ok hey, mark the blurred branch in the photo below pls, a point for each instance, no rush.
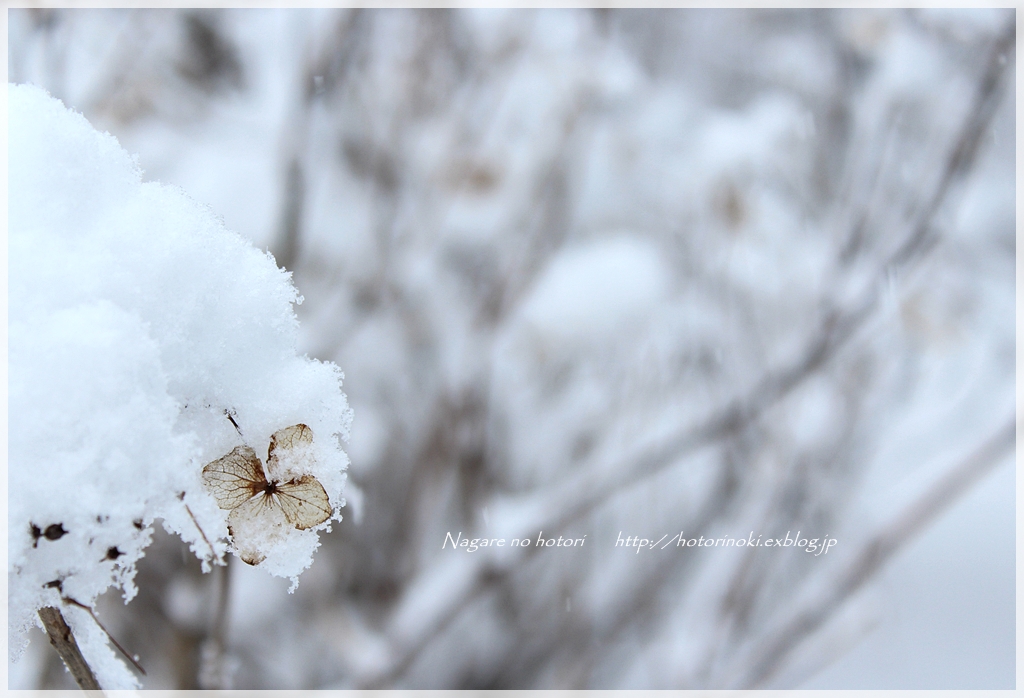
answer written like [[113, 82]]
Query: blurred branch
[[961, 159], [835, 330], [286, 251], [784, 637], [323, 72], [582, 493], [641, 605], [213, 669], [456, 155], [547, 219]]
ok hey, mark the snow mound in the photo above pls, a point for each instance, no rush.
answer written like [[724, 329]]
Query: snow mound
[[141, 332]]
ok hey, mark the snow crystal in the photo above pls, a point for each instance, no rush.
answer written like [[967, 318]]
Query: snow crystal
[[137, 324]]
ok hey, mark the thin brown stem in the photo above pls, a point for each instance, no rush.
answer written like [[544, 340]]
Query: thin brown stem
[[64, 642], [213, 553], [116, 644]]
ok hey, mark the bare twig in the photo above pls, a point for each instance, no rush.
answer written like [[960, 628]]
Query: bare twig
[[640, 605], [220, 619], [122, 650], [286, 251], [965, 149], [64, 641], [836, 328], [213, 553], [582, 493], [879, 548], [213, 671]]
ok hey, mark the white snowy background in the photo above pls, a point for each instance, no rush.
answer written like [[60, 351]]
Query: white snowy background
[[585, 272]]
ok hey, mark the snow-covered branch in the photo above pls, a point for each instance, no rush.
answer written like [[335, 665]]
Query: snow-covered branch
[[142, 333]]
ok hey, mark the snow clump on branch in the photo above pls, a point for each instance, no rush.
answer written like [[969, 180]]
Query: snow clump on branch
[[142, 332]]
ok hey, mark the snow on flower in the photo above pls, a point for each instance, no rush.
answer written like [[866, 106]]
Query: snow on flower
[[145, 341]]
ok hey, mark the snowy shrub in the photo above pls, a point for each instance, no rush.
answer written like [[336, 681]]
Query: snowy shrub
[[590, 272], [146, 341]]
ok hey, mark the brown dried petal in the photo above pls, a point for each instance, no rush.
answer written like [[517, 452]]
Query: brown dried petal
[[235, 478], [304, 502], [282, 440]]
